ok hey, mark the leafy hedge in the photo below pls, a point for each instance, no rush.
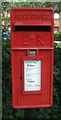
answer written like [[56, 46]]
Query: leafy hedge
[[57, 36], [8, 113]]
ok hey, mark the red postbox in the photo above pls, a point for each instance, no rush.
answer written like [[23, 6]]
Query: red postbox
[[32, 48]]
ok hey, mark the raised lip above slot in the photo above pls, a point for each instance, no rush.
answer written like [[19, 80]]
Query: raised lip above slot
[[32, 24]]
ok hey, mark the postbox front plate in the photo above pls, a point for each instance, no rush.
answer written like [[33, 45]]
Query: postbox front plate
[[23, 97]]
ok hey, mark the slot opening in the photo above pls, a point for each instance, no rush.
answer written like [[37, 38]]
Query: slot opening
[[32, 28]]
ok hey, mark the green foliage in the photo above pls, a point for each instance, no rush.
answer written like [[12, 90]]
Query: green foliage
[[57, 36], [59, 4], [55, 5], [41, 113]]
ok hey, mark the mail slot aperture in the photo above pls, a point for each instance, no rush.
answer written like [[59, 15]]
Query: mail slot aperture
[[31, 28]]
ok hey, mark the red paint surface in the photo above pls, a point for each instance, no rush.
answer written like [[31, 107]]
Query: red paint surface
[[32, 29]]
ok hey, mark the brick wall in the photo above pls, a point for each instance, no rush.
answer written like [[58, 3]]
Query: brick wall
[[60, 23], [56, 23]]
